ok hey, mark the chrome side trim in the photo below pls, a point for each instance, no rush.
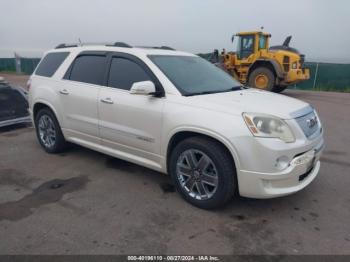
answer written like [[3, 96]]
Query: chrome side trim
[[128, 134]]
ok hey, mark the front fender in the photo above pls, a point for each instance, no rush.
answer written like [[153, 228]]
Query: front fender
[[275, 65], [202, 131]]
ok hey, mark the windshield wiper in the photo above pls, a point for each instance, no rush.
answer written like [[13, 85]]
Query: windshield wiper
[[201, 93], [235, 88]]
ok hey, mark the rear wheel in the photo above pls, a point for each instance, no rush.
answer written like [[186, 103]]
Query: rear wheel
[[262, 78], [203, 172], [49, 131]]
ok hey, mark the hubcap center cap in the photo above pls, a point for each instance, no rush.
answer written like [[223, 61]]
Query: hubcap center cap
[[196, 174]]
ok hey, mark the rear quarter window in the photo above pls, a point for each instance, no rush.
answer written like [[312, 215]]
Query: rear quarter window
[[50, 63]]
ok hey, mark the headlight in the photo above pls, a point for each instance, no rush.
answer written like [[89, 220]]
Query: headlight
[[294, 65], [268, 126]]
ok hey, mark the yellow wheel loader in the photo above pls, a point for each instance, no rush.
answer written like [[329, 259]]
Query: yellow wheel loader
[[258, 65]]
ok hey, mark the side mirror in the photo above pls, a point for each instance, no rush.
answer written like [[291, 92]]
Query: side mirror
[[143, 88]]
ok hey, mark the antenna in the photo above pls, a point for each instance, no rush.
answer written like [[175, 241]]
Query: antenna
[[80, 43]]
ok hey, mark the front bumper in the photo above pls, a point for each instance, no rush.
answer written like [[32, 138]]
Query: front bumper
[[301, 171], [296, 75]]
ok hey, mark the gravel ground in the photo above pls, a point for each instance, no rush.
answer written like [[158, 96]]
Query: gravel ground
[[18, 80]]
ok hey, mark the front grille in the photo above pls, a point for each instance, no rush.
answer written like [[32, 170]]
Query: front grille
[[309, 123], [286, 63], [286, 59], [286, 67], [302, 61]]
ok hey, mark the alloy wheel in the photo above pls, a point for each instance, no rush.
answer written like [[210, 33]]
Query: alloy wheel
[[197, 174], [47, 131]]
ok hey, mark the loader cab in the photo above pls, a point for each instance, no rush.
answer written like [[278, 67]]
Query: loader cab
[[245, 46], [249, 43]]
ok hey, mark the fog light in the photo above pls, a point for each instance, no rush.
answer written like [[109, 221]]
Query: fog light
[[303, 159], [282, 162]]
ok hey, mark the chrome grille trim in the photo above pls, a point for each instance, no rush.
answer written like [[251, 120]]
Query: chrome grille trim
[[302, 112]]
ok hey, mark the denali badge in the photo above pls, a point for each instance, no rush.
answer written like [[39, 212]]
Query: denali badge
[[311, 122]]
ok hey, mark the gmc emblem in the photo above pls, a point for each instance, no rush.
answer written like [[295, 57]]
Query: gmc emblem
[[311, 122]]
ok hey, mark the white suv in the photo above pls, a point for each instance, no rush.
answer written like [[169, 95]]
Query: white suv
[[176, 113]]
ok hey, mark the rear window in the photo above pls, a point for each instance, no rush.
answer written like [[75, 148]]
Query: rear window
[[50, 63], [89, 69]]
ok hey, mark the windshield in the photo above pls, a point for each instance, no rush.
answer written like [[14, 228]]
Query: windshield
[[193, 75]]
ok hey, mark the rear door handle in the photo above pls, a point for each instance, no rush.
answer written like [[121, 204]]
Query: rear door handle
[[107, 100], [64, 92]]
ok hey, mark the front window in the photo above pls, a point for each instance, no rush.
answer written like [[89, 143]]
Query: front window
[[124, 73], [193, 75], [246, 46]]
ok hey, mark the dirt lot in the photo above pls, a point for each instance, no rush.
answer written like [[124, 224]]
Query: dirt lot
[[83, 202], [18, 80]]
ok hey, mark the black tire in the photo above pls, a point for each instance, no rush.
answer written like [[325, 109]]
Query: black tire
[[60, 143], [279, 89], [267, 73], [226, 171]]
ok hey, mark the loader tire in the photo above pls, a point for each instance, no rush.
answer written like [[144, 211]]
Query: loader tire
[[262, 78]]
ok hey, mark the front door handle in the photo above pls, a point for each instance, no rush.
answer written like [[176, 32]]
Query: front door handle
[[64, 92], [107, 100]]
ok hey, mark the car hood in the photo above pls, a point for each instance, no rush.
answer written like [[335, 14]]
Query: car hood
[[254, 101]]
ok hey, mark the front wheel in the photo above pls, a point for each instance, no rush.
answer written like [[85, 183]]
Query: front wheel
[[203, 172], [262, 78]]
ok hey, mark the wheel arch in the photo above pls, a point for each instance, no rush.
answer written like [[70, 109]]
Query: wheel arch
[[38, 105], [268, 63], [179, 135]]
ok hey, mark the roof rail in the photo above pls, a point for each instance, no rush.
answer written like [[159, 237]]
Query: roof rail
[[66, 46], [166, 47], [120, 44], [158, 47], [117, 44]]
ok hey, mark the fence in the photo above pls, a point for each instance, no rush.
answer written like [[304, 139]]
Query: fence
[[327, 77], [27, 65]]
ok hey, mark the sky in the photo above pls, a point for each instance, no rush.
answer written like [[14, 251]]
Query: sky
[[320, 28]]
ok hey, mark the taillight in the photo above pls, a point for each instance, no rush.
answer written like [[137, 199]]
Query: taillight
[[29, 82]]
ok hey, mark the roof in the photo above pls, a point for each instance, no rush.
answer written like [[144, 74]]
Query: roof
[[253, 33]]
